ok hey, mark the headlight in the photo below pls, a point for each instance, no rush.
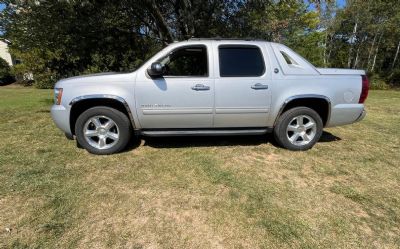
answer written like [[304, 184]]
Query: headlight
[[57, 95]]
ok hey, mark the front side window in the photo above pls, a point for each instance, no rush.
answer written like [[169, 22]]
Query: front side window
[[240, 61], [188, 61]]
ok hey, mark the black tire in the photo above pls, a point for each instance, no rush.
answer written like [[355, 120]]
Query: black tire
[[281, 134], [119, 118]]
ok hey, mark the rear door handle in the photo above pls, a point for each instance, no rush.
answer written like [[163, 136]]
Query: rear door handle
[[259, 86], [200, 87]]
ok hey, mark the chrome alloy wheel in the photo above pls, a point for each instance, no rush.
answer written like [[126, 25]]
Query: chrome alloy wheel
[[101, 132], [301, 130]]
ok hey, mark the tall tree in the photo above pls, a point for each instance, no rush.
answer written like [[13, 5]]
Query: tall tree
[[57, 39]]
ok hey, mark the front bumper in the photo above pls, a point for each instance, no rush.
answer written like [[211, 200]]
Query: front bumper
[[60, 116]]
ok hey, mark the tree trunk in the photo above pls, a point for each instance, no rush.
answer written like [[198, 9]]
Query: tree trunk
[[162, 26], [356, 60], [352, 41], [396, 55], [370, 51], [376, 52], [183, 11], [331, 48], [360, 46], [325, 48]]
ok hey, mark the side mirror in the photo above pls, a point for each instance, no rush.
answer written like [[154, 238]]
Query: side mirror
[[155, 70]]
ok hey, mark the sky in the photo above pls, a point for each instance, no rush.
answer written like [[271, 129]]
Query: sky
[[341, 3]]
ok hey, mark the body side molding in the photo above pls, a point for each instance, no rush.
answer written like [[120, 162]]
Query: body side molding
[[205, 132]]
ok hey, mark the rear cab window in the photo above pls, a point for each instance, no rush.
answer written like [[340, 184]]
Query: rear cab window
[[240, 61]]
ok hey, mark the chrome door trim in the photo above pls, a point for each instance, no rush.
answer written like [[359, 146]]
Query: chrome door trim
[[240, 110], [164, 111]]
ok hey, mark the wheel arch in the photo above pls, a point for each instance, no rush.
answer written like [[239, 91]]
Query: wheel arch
[[83, 103], [319, 103]]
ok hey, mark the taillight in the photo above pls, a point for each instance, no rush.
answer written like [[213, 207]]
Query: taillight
[[364, 89]]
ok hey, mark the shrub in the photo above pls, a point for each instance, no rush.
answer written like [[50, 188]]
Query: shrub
[[6, 76], [5, 70], [45, 80], [34, 70], [377, 83], [394, 77]]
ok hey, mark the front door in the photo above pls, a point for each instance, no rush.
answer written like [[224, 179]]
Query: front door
[[242, 86], [183, 97]]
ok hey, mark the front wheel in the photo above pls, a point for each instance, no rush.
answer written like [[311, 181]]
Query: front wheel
[[103, 130], [299, 128]]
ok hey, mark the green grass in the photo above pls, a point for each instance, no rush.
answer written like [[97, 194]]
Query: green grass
[[227, 192]]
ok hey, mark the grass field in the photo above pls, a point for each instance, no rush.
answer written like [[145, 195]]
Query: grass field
[[227, 192]]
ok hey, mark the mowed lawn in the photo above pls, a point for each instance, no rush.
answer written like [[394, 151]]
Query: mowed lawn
[[224, 192]]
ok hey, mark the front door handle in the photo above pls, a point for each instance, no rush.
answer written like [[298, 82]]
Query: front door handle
[[259, 86], [200, 87]]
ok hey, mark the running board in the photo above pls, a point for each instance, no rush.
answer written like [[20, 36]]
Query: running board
[[205, 132]]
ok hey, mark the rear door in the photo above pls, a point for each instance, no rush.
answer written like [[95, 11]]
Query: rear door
[[242, 86], [184, 96]]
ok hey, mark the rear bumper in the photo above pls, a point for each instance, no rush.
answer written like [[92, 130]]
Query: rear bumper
[[362, 116], [344, 114], [60, 116]]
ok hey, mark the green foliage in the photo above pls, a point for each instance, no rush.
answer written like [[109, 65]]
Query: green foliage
[[377, 83], [366, 36], [79, 37], [34, 62], [394, 78], [4, 69], [308, 45], [59, 39]]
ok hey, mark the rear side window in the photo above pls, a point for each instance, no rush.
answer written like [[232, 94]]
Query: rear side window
[[240, 61], [289, 60]]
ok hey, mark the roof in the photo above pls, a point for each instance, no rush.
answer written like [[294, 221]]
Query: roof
[[225, 39], [5, 41]]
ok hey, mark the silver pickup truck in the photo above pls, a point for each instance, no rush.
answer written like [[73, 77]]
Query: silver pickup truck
[[211, 87]]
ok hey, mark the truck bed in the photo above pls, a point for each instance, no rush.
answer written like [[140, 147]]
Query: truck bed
[[338, 71]]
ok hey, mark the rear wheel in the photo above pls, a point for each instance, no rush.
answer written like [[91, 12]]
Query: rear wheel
[[103, 130], [298, 129]]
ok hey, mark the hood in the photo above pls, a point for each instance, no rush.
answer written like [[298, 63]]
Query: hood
[[99, 78], [93, 75]]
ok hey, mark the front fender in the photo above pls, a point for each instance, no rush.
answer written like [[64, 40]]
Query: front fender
[[107, 96]]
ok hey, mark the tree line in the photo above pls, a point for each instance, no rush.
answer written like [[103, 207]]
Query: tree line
[[55, 39]]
